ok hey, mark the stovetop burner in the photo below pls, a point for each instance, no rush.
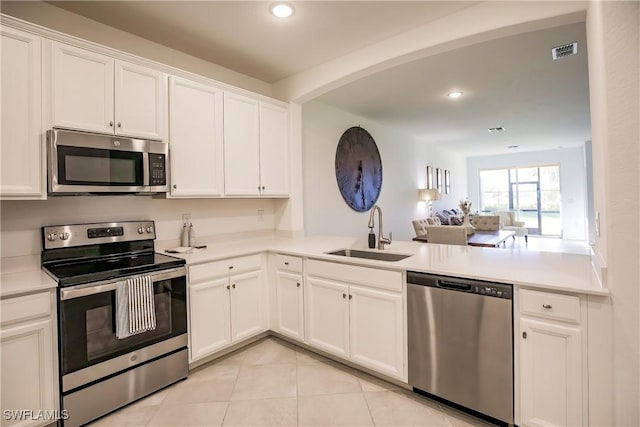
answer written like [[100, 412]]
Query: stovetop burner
[[73, 273], [85, 253]]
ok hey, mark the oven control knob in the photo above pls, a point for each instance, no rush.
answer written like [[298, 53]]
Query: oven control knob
[[149, 229], [52, 237], [140, 230], [64, 236]]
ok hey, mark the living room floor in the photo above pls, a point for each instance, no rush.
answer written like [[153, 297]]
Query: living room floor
[[278, 384], [549, 244]]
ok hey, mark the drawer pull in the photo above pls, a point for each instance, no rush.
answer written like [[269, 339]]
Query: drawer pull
[[298, 285], [524, 335], [231, 267], [286, 263], [547, 306]]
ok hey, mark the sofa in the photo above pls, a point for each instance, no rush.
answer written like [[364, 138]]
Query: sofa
[[508, 222], [486, 222]]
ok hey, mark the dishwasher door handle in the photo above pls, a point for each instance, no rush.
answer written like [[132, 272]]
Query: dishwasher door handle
[[454, 286]]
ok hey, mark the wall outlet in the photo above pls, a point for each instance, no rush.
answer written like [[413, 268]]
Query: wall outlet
[[260, 215], [186, 218]]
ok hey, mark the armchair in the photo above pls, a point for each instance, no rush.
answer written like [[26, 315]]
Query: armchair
[[508, 222]]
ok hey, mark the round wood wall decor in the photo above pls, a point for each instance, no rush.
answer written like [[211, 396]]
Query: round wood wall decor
[[358, 169]]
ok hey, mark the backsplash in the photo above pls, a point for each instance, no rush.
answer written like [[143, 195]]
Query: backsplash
[[21, 220]]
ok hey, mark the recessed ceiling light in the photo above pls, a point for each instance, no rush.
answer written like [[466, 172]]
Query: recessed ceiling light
[[512, 146], [455, 94], [281, 10], [496, 129]]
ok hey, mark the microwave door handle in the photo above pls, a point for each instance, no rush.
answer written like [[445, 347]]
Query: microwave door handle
[[110, 285], [145, 169]]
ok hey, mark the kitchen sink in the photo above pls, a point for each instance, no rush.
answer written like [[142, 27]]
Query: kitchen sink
[[378, 256]]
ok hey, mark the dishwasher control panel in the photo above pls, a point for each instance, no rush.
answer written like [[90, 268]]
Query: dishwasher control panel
[[490, 289]]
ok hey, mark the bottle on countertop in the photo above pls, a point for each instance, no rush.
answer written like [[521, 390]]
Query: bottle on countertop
[[184, 236], [372, 239], [192, 235]]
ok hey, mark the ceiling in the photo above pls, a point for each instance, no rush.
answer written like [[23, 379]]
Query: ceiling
[[510, 82]]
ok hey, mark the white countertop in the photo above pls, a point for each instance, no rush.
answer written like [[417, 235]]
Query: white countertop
[[23, 275], [533, 269]]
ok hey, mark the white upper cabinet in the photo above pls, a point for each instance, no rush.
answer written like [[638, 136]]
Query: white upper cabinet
[[274, 150], [96, 93], [141, 101], [195, 139], [22, 160], [241, 145], [256, 147]]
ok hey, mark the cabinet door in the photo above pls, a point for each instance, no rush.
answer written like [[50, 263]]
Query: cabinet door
[[241, 146], [290, 314], [141, 101], [82, 89], [327, 315], [246, 305], [274, 150], [550, 374], [208, 317], [376, 330], [28, 369], [195, 139], [22, 161]]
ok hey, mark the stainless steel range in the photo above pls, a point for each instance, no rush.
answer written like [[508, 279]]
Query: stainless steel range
[[122, 318]]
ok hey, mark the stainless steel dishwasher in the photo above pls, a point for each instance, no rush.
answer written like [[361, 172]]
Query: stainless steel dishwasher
[[460, 337]]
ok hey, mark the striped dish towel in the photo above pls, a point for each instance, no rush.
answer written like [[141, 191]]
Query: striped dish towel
[[135, 306]]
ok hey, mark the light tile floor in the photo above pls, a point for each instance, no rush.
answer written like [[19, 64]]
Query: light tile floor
[[274, 383]]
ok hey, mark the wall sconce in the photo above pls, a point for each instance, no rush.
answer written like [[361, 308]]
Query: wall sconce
[[428, 195]]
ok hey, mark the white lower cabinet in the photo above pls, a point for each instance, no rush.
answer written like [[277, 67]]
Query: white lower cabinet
[[29, 368], [357, 313], [224, 308], [552, 388], [290, 305]]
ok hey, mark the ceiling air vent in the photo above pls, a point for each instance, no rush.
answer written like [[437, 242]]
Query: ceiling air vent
[[564, 50]]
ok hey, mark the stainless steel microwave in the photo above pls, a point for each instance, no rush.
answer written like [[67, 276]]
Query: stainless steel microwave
[[87, 163]]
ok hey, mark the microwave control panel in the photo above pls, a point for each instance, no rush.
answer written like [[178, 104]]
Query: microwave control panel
[[157, 169]]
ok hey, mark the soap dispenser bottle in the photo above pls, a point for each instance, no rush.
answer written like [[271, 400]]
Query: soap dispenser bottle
[[192, 235], [372, 239], [184, 236]]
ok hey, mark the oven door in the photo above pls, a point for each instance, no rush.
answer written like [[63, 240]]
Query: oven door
[[89, 348]]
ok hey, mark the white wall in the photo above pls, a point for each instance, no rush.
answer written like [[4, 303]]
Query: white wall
[[613, 31], [404, 162], [21, 220], [573, 184]]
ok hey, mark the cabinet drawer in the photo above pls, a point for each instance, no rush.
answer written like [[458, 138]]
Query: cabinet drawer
[[226, 267], [289, 263], [27, 307], [550, 305], [373, 277]]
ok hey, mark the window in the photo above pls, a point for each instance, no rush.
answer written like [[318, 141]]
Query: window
[[532, 192]]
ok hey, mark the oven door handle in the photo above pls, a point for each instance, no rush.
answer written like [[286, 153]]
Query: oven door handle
[[110, 285]]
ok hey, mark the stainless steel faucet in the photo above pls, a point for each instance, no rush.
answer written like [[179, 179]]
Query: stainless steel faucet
[[381, 239]]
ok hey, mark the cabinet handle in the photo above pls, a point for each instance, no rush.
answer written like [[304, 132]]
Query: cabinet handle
[[231, 267], [344, 296], [350, 296], [258, 188], [298, 284], [119, 124], [228, 287], [111, 123], [286, 263], [233, 286], [547, 306], [263, 187], [524, 335], [175, 186]]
